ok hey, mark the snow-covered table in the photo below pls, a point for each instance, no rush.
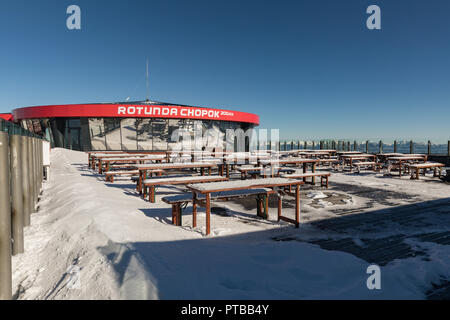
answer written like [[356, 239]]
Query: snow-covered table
[[415, 168], [399, 161], [143, 168], [175, 180], [296, 161], [349, 158], [273, 183]]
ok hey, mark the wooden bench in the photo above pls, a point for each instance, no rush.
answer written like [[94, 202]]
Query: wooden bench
[[109, 175], [179, 202], [175, 180], [415, 168], [323, 177], [375, 165]]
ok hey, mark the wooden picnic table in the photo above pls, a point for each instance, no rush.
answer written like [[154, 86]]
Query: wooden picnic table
[[424, 166], [274, 183], [341, 153], [295, 161], [175, 180], [236, 158], [143, 168], [155, 158], [405, 159], [349, 158], [99, 158], [92, 154]]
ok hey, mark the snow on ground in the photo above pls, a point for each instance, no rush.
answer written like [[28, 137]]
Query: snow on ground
[[121, 247]]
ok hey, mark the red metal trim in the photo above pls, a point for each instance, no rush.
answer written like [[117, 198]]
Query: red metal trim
[[6, 116], [133, 111]]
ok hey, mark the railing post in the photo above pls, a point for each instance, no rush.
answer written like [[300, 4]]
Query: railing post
[[31, 173], [411, 147], [380, 148], [305, 144], [348, 145], [313, 145], [26, 186], [355, 146], [5, 221], [16, 193], [429, 147], [292, 145], [395, 146], [448, 148], [367, 146]]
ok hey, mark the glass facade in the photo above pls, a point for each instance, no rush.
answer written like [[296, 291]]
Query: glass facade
[[130, 134]]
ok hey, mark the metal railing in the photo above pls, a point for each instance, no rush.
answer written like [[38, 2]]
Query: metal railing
[[369, 146], [21, 176], [14, 129]]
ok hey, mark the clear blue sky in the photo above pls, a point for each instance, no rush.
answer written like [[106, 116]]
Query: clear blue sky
[[310, 68]]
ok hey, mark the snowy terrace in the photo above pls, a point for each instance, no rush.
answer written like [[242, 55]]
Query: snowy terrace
[[127, 248]]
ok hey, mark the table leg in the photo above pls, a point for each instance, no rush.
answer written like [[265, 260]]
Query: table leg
[[140, 182], [266, 206], [417, 173], [228, 170], [174, 213], [400, 169], [179, 222], [297, 205], [194, 209], [208, 213], [279, 206], [100, 166], [313, 170]]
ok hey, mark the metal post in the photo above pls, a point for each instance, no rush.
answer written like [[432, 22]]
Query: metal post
[[429, 147], [313, 145], [348, 145], [299, 144], [448, 148], [305, 145], [355, 146], [380, 148], [285, 145], [16, 193], [5, 221], [40, 164], [395, 146], [367, 146], [31, 174], [292, 145], [26, 182], [411, 147]]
